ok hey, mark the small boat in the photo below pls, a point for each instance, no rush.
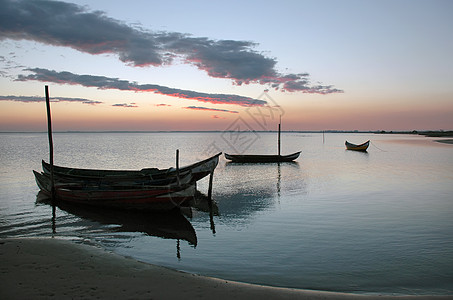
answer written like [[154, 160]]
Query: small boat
[[135, 197], [361, 147], [261, 158], [257, 158]]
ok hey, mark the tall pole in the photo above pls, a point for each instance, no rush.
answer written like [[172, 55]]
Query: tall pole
[[177, 166], [279, 128], [211, 177], [49, 131]]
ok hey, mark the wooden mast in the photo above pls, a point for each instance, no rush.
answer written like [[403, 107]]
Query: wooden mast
[[177, 167], [49, 132]]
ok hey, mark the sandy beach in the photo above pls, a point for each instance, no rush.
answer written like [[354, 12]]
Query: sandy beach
[[49, 268]]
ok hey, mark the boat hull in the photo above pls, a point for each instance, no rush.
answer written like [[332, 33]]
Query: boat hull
[[146, 189], [362, 147], [262, 158], [133, 198]]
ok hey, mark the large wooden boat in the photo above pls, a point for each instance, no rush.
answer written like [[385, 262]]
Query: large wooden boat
[[142, 197], [146, 189], [91, 187], [261, 158], [197, 170], [185, 178], [361, 147]]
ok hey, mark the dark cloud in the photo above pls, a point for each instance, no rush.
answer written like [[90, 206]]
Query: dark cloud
[[304, 86], [211, 109], [70, 25], [28, 99], [162, 104], [103, 82], [125, 105]]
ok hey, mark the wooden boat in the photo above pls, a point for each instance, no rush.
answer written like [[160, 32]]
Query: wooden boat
[[361, 147], [100, 182], [146, 189], [113, 196], [119, 192], [254, 158], [198, 171], [261, 158]]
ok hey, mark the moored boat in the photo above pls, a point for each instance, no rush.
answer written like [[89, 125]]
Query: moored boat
[[146, 189], [266, 158], [198, 171], [119, 188], [144, 197], [59, 179], [361, 147], [262, 158]]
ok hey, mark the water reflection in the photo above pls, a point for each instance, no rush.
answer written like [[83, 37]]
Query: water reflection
[[167, 225], [203, 203], [251, 187], [358, 153]]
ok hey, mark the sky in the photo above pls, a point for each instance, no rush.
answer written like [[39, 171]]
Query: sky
[[227, 65]]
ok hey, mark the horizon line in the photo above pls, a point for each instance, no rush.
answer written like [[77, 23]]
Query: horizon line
[[301, 131]]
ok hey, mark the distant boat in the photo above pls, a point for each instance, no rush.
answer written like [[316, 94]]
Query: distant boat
[[361, 147], [256, 158]]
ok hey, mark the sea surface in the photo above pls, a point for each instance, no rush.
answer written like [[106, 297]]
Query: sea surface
[[334, 220]]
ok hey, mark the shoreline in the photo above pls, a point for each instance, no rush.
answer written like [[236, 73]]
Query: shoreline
[[43, 268], [449, 141]]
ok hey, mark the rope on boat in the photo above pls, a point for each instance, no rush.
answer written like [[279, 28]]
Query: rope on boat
[[377, 147]]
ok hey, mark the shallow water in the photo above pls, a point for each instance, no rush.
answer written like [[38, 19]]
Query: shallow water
[[375, 222]]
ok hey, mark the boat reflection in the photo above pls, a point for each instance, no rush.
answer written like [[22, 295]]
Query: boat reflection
[[266, 170], [201, 202], [168, 225], [248, 188]]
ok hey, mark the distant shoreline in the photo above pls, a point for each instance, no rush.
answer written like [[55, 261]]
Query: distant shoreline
[[428, 133]]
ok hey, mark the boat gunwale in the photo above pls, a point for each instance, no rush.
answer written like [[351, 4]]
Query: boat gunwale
[[123, 174]]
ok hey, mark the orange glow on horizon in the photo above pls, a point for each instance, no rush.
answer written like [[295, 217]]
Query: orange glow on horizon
[[307, 115]]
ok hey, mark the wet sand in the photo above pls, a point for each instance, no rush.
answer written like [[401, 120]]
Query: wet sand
[[57, 269]]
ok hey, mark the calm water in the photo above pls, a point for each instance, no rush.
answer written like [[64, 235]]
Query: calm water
[[376, 222]]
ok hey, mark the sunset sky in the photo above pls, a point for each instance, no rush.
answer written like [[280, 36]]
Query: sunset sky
[[212, 65]]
